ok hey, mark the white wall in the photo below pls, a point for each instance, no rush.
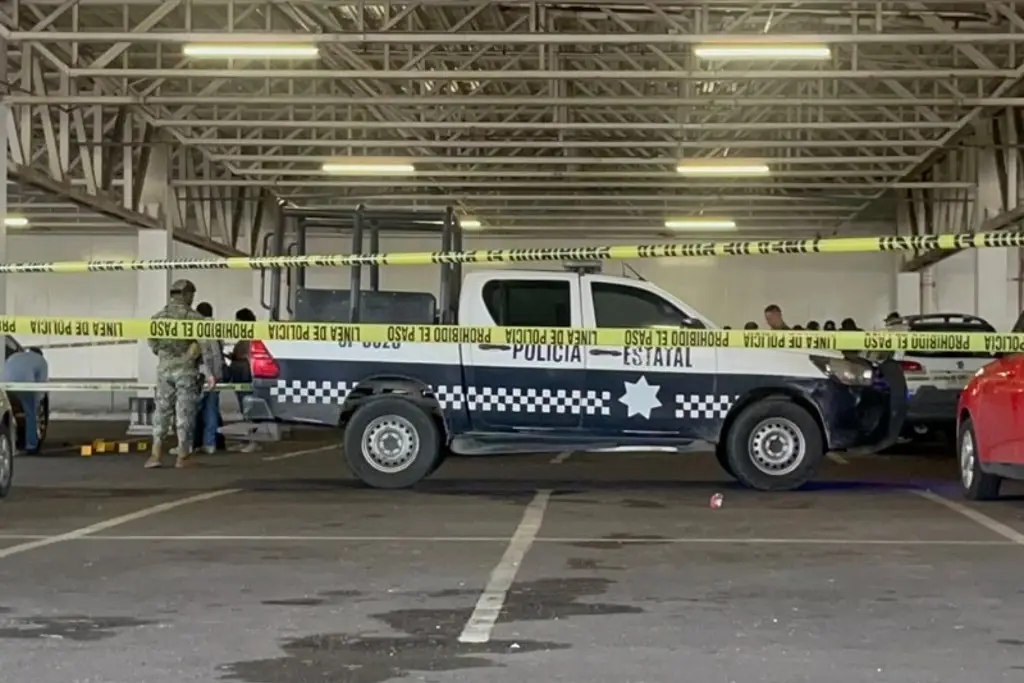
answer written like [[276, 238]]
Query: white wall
[[951, 287], [729, 290], [104, 295], [983, 282]]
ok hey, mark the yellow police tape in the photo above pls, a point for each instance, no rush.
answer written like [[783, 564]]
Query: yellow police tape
[[821, 245], [344, 334]]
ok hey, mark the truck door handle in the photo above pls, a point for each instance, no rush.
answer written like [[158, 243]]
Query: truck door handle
[[495, 347], [604, 352]]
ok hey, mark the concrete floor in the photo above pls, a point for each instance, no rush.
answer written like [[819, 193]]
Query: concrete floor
[[275, 568]]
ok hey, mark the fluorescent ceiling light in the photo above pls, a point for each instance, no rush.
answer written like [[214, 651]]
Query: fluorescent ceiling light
[[698, 224], [252, 51], [763, 51], [465, 223], [719, 168], [15, 222], [368, 168]]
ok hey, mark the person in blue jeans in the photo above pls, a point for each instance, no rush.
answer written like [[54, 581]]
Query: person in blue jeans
[[209, 403], [28, 365]]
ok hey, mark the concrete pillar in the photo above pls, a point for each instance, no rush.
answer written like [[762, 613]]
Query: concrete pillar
[[158, 199], [908, 293], [151, 293], [995, 291]]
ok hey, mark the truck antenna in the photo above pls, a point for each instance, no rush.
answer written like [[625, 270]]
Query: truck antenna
[[631, 269]]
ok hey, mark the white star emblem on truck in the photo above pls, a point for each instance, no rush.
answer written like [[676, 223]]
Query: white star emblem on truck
[[640, 398]]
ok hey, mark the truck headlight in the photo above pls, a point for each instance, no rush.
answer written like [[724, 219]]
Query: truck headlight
[[845, 371]]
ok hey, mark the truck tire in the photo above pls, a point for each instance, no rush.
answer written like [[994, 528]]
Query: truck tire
[[391, 443], [722, 456], [42, 427], [774, 445]]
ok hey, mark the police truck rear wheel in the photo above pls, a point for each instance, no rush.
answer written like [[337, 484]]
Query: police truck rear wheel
[[391, 443], [774, 446], [722, 456]]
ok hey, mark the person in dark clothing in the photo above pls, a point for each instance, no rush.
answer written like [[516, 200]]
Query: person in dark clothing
[[239, 371], [829, 326], [813, 326], [848, 325]]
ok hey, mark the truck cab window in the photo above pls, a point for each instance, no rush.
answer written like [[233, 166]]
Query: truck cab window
[[624, 306], [529, 303]]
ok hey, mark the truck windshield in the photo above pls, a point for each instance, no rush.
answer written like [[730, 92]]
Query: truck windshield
[[625, 306]]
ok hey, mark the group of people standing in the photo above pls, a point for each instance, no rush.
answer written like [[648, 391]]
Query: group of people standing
[[773, 318], [187, 374]]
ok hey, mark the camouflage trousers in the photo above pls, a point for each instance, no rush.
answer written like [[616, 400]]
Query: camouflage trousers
[[177, 400]]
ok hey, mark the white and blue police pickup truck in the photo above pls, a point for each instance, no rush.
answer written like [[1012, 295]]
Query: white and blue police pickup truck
[[771, 415]]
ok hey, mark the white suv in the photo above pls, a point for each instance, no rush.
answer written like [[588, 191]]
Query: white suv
[[936, 378]]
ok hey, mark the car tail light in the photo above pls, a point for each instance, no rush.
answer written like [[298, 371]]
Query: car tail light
[[261, 362], [911, 366]]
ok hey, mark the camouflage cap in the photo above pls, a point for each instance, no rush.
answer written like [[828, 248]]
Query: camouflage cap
[[182, 286]]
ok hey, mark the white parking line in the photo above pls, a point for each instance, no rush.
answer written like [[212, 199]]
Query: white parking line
[[984, 520], [295, 454], [84, 531], [481, 622], [836, 458], [540, 539], [561, 457]]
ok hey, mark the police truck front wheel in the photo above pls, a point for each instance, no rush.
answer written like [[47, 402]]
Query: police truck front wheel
[[774, 445], [391, 443]]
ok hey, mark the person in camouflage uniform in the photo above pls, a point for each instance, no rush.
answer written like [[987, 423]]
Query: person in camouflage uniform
[[177, 376]]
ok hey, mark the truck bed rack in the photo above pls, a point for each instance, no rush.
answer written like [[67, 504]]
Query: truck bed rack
[[365, 225]]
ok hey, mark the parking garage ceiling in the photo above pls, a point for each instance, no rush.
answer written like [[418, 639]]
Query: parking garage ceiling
[[560, 118]]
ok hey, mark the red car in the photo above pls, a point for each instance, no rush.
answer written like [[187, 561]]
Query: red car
[[990, 439]]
